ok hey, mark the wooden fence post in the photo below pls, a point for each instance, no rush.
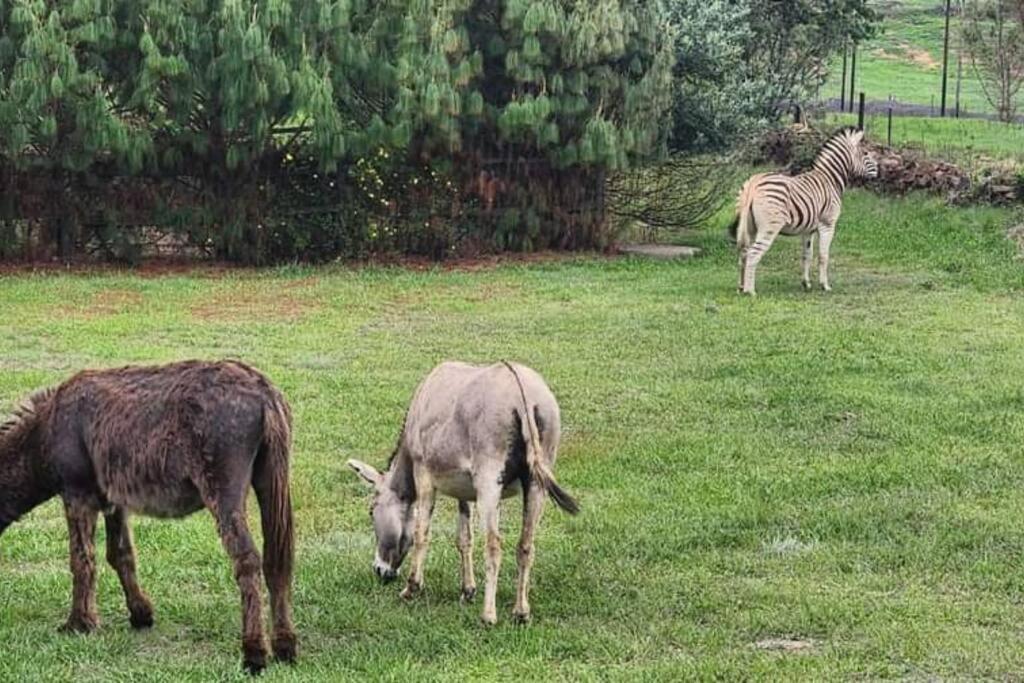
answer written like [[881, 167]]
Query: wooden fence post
[[888, 135]]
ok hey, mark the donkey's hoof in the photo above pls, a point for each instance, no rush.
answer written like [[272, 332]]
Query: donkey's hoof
[[488, 619], [254, 657], [286, 647], [468, 593], [141, 618], [80, 624], [807, 285], [411, 590], [521, 618]]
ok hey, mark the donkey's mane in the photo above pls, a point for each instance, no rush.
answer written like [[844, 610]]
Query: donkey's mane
[[26, 414], [398, 444]]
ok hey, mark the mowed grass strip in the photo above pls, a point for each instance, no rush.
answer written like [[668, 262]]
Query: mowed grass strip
[[795, 486]]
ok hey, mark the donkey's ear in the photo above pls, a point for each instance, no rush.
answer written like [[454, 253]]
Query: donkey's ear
[[367, 472]]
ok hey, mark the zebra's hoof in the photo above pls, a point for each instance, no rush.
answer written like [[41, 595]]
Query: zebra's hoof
[[807, 285]]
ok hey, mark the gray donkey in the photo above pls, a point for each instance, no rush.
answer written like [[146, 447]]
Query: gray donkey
[[475, 434]]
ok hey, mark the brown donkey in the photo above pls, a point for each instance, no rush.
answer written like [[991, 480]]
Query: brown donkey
[[162, 441]]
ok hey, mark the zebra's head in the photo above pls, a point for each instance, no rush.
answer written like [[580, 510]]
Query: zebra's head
[[864, 163]]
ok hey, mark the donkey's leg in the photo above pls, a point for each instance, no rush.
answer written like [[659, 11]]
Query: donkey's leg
[[81, 517], [488, 503], [228, 508], [828, 231], [274, 499], [805, 260], [424, 509], [465, 543], [533, 506], [121, 556]]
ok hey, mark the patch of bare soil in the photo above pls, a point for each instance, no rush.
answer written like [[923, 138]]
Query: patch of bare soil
[[153, 268], [105, 303], [169, 267], [921, 58], [472, 263], [789, 645], [1016, 235], [285, 301]]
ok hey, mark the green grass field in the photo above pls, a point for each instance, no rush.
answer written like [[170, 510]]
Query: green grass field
[[843, 470], [905, 59], [962, 140]]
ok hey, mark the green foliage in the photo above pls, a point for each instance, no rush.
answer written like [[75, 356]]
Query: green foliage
[[740, 63], [993, 35], [544, 97], [540, 99], [56, 111]]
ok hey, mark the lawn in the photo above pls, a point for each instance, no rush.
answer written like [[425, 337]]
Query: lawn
[[842, 470], [962, 140]]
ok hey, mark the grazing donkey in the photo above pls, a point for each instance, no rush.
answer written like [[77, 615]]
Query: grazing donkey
[[162, 441], [809, 203], [475, 434]]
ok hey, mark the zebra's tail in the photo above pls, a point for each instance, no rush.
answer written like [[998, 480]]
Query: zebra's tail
[[742, 228]]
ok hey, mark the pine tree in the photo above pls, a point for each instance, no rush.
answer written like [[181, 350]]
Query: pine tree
[[225, 85], [57, 117], [535, 100]]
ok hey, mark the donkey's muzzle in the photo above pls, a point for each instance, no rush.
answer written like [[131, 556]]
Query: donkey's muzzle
[[385, 574]]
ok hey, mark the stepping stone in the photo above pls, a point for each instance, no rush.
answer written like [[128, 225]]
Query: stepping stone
[[659, 251]]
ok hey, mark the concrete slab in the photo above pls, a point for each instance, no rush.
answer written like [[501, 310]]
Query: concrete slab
[[659, 251]]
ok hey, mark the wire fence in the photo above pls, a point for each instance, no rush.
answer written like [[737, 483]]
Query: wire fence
[[970, 136]]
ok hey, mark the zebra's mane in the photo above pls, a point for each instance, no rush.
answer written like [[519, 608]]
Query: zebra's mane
[[834, 162]]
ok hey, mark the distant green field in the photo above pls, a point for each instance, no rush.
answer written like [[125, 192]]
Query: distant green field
[[905, 60], [953, 139]]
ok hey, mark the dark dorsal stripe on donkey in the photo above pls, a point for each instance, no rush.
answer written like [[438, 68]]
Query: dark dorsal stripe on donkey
[[164, 441], [477, 434]]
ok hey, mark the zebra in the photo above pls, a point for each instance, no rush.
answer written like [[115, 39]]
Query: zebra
[[809, 203]]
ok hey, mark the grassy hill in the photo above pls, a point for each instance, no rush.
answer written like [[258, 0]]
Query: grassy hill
[[905, 59]]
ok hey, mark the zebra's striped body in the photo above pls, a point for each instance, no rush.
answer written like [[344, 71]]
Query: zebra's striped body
[[772, 203]]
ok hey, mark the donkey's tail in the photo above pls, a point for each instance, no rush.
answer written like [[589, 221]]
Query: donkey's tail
[[535, 460], [271, 481]]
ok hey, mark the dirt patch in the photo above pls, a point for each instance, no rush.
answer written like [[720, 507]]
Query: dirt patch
[[157, 268], [905, 51], [288, 301], [921, 57], [473, 264], [790, 645], [1016, 235], [105, 303], [154, 268]]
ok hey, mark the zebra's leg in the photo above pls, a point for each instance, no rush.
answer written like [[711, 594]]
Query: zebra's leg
[[754, 255], [824, 244], [805, 260], [743, 267]]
